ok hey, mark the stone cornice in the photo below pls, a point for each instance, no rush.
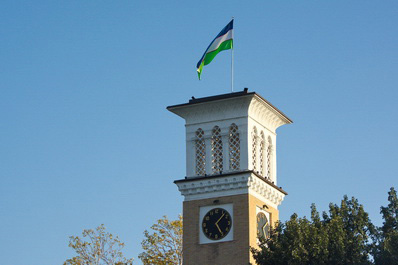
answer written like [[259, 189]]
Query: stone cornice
[[263, 112], [231, 184], [229, 106], [223, 109]]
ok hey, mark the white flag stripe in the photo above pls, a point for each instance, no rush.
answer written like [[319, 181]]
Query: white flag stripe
[[216, 43]]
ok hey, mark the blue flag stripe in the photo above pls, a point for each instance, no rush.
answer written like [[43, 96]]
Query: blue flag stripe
[[227, 28]]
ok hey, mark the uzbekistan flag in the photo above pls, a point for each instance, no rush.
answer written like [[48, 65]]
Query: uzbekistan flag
[[223, 41]]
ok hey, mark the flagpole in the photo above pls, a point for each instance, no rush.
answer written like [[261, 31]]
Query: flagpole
[[232, 65], [232, 69]]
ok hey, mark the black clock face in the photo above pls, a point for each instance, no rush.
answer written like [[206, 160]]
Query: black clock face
[[216, 223], [262, 225]]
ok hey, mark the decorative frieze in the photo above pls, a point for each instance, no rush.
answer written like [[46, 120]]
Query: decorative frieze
[[227, 185]]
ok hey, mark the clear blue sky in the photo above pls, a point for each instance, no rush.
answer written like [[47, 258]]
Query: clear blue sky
[[85, 137]]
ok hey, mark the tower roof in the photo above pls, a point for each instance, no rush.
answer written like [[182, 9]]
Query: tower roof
[[222, 97]]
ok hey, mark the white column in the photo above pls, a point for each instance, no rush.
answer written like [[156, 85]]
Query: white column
[[273, 163], [190, 159], [245, 147]]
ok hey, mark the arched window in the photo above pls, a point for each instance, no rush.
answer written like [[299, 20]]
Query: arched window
[[234, 147], [216, 150], [262, 150], [200, 153], [269, 157], [254, 148]]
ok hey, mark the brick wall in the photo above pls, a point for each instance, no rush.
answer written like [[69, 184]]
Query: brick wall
[[235, 252]]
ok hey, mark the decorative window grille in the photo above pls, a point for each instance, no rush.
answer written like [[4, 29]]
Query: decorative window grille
[[234, 147], [254, 148], [262, 150], [216, 150], [200, 153], [269, 157]]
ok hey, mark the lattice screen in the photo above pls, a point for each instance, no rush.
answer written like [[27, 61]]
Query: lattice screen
[[216, 150], [254, 148], [261, 158], [269, 155], [234, 147], [200, 153]]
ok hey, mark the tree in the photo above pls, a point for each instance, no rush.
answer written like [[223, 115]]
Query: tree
[[343, 236], [350, 233], [296, 241], [164, 245], [101, 248], [386, 251]]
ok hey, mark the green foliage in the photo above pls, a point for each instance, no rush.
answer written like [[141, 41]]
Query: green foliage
[[351, 232], [164, 245], [101, 248], [343, 236], [386, 251]]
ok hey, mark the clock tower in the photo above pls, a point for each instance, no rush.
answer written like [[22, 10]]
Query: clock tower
[[230, 190]]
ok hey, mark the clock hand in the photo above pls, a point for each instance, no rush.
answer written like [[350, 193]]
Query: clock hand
[[219, 221], [218, 228], [220, 218], [264, 227]]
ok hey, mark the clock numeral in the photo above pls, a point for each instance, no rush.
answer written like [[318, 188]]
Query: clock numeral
[[216, 236], [207, 218], [229, 222], [206, 230], [216, 210], [204, 224], [211, 213], [226, 229]]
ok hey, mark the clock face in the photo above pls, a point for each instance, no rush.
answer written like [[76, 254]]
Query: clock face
[[216, 224], [262, 225]]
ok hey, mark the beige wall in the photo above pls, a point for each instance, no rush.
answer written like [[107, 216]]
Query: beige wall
[[235, 252], [274, 216]]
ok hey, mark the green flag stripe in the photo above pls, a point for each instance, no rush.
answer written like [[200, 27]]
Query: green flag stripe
[[226, 45], [200, 69]]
